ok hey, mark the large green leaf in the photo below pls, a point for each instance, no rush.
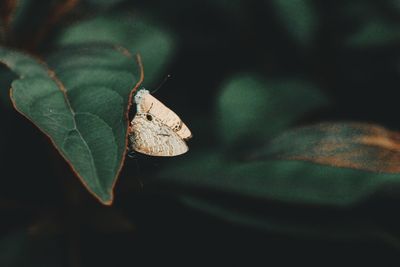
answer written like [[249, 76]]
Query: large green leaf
[[80, 102], [279, 196], [272, 184], [129, 30], [250, 106], [286, 181]]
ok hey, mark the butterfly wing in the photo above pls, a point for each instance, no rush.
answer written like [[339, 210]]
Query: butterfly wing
[[146, 103], [154, 138]]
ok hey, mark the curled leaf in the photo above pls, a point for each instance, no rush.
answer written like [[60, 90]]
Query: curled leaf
[[350, 145]]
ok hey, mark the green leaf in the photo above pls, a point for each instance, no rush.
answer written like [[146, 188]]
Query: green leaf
[[80, 103], [356, 162], [280, 196], [299, 17], [375, 33], [311, 224], [252, 107], [155, 45], [286, 181]]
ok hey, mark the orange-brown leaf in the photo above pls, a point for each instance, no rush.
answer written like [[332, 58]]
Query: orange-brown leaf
[[349, 145]]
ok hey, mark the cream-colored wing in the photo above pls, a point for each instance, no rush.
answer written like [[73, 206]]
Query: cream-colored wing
[[148, 135], [146, 103]]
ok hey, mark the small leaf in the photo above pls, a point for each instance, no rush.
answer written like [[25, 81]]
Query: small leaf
[[348, 145], [250, 106], [81, 105], [299, 18], [155, 45]]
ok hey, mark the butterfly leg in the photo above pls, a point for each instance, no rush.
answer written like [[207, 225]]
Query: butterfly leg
[[132, 154]]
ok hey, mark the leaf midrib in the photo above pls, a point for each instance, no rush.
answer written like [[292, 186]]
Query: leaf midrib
[[52, 75]]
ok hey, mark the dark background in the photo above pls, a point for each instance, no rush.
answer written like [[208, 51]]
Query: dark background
[[318, 41]]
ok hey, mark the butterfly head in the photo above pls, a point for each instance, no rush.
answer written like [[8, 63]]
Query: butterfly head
[[144, 101], [140, 95]]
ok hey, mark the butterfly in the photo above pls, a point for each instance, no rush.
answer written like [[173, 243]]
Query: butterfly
[[156, 130]]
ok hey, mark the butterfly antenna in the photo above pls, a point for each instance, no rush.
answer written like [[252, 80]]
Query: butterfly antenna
[[162, 83]]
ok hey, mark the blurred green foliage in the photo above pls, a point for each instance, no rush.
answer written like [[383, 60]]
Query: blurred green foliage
[[299, 17], [244, 73], [251, 107]]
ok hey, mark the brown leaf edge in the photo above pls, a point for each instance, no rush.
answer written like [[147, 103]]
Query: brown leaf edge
[[58, 13], [52, 75], [130, 99]]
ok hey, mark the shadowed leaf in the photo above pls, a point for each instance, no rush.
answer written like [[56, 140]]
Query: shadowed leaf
[[281, 196], [6, 77], [376, 33], [299, 221], [80, 103]]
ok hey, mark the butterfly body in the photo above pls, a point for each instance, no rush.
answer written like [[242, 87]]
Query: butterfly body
[[156, 130]]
